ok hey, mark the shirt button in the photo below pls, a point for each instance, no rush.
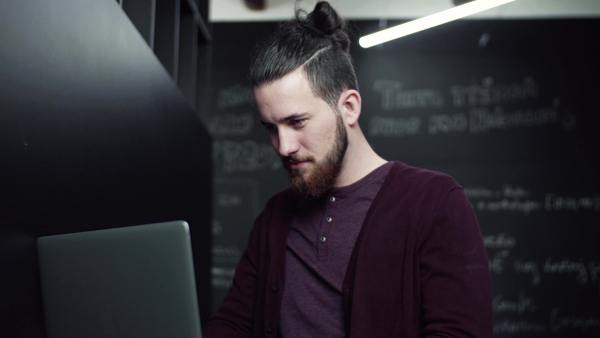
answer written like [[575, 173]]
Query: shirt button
[[332, 198], [322, 239], [275, 287], [270, 328], [329, 219]]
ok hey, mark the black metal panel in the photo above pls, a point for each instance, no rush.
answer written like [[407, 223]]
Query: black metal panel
[[93, 134], [142, 13], [166, 35]]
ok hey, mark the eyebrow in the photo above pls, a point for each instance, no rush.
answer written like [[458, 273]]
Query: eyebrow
[[287, 118]]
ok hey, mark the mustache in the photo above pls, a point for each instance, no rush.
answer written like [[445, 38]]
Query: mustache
[[297, 159], [288, 160]]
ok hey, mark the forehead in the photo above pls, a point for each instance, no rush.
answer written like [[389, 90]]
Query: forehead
[[291, 94], [294, 82]]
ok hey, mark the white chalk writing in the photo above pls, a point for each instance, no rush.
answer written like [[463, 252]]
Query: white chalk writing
[[478, 192], [226, 250], [499, 241], [234, 96], [565, 266], [446, 123], [217, 228], [520, 306], [394, 126], [528, 267], [526, 206], [394, 97], [554, 202], [509, 191], [522, 326], [559, 321], [489, 93], [228, 200], [245, 156], [482, 119], [222, 277], [496, 264], [231, 124]]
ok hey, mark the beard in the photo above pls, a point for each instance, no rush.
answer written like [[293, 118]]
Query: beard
[[314, 183]]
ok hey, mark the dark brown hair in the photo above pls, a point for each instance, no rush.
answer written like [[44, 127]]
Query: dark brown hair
[[319, 42]]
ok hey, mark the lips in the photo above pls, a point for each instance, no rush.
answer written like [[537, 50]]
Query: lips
[[296, 163]]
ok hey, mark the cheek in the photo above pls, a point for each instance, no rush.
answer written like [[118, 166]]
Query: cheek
[[274, 141], [318, 143]]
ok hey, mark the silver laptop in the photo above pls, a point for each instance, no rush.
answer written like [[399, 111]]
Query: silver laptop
[[129, 282]]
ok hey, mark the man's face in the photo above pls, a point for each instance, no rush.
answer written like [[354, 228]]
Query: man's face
[[309, 136]]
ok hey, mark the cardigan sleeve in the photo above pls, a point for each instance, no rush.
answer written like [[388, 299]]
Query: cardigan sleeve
[[454, 272], [235, 317]]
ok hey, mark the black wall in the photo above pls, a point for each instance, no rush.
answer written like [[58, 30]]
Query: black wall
[[509, 108], [94, 134]]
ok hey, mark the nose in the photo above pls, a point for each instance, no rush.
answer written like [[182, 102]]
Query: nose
[[285, 142]]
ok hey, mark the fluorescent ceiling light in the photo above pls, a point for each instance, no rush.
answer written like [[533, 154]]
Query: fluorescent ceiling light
[[429, 21]]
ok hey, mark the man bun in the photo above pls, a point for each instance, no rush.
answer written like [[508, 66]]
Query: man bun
[[318, 43], [325, 20]]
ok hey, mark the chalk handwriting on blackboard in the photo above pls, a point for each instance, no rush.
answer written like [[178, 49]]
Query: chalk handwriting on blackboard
[[226, 250], [499, 241], [227, 200], [231, 124], [448, 123], [234, 96], [566, 266], [561, 321], [513, 205], [519, 306], [488, 93], [483, 119], [217, 228], [222, 277], [496, 263], [558, 321], [528, 267], [555, 202], [520, 326], [478, 120], [245, 156], [480, 108], [478, 192], [510, 191], [520, 199], [394, 97], [583, 272], [395, 126]]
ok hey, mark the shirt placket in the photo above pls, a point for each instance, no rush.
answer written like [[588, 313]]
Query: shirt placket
[[327, 222]]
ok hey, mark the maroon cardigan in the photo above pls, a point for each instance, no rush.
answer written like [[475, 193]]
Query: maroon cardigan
[[418, 268]]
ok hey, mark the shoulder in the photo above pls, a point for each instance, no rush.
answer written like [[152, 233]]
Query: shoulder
[[409, 178], [415, 191]]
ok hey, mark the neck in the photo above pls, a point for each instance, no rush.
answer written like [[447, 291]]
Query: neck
[[359, 161]]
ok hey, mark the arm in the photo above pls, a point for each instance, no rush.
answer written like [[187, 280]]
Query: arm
[[235, 317], [454, 273]]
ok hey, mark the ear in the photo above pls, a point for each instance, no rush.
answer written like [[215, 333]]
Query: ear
[[350, 104]]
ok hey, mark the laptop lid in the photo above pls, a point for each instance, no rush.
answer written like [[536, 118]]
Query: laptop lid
[[129, 282]]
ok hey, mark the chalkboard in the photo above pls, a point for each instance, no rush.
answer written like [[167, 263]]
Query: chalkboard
[[508, 108]]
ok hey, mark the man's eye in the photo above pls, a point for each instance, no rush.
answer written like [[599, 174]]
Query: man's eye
[[298, 123], [270, 128]]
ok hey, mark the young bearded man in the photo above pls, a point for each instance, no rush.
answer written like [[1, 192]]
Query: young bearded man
[[359, 246]]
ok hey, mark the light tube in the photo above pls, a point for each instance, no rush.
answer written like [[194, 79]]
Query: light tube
[[429, 21]]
